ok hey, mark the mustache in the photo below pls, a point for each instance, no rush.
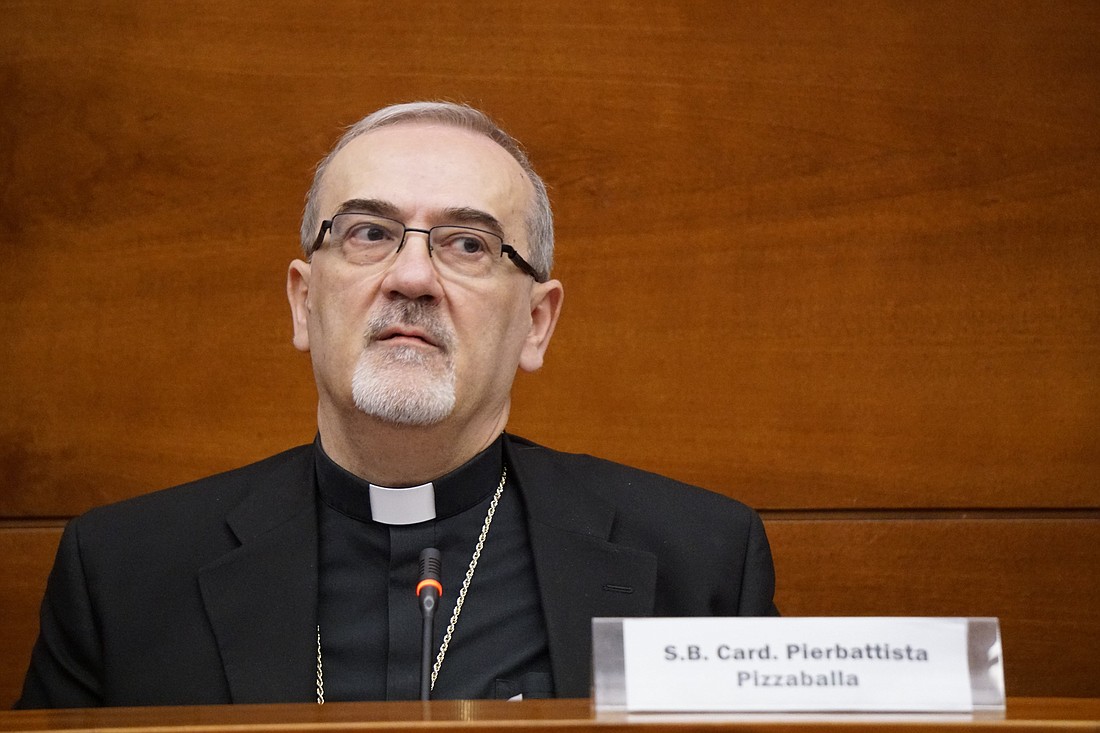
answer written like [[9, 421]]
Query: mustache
[[412, 314]]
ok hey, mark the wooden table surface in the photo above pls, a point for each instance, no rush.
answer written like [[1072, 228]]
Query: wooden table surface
[[1022, 714]]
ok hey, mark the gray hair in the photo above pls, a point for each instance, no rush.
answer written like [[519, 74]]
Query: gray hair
[[540, 219]]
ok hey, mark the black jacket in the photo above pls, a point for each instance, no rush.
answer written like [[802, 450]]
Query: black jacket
[[207, 593]]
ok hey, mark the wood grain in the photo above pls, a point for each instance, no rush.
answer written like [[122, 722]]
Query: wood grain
[[815, 255], [475, 716], [26, 555], [837, 260], [1038, 576]]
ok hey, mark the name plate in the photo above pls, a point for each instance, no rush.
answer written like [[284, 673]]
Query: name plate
[[798, 664]]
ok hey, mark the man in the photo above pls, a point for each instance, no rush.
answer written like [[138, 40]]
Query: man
[[425, 286]]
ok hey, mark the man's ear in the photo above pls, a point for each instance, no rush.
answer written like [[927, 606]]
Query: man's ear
[[546, 299], [297, 292]]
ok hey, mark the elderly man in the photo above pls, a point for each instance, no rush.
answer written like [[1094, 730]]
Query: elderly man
[[425, 285]]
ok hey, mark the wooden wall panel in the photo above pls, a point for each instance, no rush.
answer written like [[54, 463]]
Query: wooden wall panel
[[26, 555], [1038, 576], [815, 255], [823, 257]]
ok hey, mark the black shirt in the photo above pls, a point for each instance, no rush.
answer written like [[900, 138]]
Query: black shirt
[[369, 616]]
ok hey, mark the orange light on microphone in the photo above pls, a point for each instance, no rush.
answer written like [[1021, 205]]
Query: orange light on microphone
[[432, 582]]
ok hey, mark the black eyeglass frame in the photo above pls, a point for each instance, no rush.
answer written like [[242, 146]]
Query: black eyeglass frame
[[505, 249]]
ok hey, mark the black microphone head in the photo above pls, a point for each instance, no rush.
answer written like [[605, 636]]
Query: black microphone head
[[431, 564], [429, 588]]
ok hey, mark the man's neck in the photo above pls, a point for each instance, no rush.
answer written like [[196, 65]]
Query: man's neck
[[399, 455]]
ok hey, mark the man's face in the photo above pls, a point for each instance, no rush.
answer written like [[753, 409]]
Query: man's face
[[404, 343]]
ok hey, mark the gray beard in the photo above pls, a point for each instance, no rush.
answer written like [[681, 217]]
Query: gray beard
[[404, 385]]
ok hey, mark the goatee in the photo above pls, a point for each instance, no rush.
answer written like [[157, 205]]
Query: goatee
[[404, 384]]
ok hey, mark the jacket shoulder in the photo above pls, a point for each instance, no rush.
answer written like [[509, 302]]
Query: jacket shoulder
[[620, 484], [210, 489], [174, 517], [711, 551]]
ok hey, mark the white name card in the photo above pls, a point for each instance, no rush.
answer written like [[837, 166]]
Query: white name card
[[797, 664]]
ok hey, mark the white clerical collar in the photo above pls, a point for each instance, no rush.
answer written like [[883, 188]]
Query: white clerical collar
[[410, 505]]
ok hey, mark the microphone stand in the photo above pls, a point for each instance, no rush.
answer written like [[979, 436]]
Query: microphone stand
[[428, 591]]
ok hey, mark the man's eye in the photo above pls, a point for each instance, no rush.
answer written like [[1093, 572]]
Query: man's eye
[[370, 233], [465, 243], [374, 234], [471, 245]]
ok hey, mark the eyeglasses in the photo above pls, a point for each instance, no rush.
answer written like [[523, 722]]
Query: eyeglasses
[[370, 241]]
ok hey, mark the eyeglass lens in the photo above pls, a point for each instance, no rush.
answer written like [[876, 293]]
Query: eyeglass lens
[[366, 240]]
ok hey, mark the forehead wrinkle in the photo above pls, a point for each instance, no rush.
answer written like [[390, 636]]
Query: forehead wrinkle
[[505, 185], [469, 216], [450, 215], [377, 207]]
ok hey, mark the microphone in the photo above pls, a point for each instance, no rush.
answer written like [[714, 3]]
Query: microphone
[[428, 591]]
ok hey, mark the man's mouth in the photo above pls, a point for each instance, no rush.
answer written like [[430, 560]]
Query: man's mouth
[[406, 335], [410, 324]]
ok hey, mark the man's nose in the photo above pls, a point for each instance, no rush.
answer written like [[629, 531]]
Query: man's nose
[[412, 272]]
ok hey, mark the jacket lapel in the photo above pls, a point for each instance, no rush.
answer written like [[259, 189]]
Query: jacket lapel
[[261, 598], [581, 574]]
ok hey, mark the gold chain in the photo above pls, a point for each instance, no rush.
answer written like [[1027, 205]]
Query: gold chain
[[320, 671], [469, 577], [458, 603]]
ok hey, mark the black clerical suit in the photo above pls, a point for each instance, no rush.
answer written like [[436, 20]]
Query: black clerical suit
[[207, 593]]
